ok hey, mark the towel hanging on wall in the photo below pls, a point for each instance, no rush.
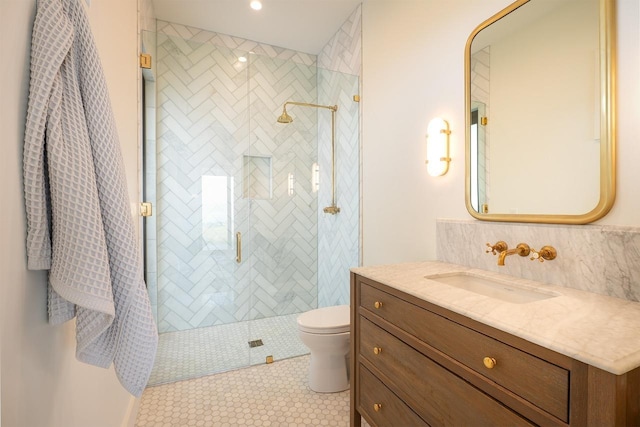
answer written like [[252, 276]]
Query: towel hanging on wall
[[79, 224]]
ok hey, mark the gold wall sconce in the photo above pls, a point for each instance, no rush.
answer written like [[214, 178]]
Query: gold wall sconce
[[438, 147]]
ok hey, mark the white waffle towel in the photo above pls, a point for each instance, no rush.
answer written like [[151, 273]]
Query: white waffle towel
[[78, 213]]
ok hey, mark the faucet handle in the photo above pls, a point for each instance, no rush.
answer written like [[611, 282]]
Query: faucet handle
[[547, 252], [500, 246]]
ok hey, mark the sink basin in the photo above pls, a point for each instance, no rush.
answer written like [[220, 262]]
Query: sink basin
[[490, 287]]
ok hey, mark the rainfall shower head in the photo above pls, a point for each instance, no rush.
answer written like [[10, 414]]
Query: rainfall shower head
[[285, 118]]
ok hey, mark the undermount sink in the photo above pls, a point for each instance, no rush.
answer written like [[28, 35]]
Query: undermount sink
[[490, 287]]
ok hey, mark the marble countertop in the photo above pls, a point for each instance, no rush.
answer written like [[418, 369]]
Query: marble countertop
[[595, 329]]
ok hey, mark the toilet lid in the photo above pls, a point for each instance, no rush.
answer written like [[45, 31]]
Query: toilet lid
[[326, 320]]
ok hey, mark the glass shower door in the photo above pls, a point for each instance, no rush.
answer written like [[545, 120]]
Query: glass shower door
[[194, 177]]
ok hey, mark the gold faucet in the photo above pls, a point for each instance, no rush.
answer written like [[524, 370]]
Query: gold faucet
[[522, 249]]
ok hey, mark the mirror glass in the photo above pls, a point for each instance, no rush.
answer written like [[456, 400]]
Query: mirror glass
[[539, 113]]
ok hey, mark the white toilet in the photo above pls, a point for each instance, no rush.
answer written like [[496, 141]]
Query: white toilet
[[326, 332]]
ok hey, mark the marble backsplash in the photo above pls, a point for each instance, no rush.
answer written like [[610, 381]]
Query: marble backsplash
[[603, 259]]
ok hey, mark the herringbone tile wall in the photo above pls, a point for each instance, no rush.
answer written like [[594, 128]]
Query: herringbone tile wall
[[480, 73], [225, 165], [338, 235], [343, 53]]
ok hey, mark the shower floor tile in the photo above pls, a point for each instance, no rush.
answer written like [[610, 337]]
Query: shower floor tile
[[197, 352], [266, 395]]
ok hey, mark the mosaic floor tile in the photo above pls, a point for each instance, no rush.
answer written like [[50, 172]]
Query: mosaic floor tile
[[194, 353], [266, 395]]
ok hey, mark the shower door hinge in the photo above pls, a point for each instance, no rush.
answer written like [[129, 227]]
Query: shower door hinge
[[145, 60], [484, 121], [356, 98], [146, 209]]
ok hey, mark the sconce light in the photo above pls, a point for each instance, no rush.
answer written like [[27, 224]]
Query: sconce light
[[438, 147]]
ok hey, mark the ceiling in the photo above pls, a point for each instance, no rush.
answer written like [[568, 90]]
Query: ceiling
[[302, 25]]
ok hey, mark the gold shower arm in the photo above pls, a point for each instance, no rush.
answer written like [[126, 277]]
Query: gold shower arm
[[304, 104]]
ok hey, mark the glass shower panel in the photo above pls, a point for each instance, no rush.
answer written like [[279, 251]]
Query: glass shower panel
[[217, 212], [339, 241], [284, 232]]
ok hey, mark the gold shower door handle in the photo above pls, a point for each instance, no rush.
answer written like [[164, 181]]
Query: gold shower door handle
[[238, 247]]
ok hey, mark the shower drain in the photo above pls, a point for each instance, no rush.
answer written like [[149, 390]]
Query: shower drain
[[255, 343]]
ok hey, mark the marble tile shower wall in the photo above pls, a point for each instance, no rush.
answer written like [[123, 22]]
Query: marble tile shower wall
[[206, 99], [338, 238], [343, 53], [282, 276], [338, 235], [602, 259], [230, 42]]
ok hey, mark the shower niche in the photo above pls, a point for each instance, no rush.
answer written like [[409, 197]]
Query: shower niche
[[257, 177]]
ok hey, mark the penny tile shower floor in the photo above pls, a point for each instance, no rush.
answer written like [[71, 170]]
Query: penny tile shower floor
[[198, 352], [265, 395]]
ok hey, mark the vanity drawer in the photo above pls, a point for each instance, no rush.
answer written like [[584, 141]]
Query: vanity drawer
[[434, 393], [391, 411], [536, 380]]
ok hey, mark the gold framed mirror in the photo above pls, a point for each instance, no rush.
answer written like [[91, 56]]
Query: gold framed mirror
[[540, 113]]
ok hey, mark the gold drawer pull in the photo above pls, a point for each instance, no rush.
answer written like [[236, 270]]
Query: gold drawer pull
[[377, 350], [377, 407], [489, 362], [377, 304]]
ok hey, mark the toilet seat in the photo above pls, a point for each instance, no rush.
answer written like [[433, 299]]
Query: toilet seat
[[326, 320]]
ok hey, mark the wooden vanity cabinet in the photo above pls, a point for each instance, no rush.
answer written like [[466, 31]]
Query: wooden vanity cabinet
[[414, 363]]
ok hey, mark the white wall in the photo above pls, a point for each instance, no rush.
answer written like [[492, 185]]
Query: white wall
[[42, 383], [413, 70]]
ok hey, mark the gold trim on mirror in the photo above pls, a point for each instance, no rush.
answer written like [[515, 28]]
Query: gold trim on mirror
[[607, 56]]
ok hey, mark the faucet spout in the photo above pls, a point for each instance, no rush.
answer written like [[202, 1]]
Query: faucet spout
[[522, 249]]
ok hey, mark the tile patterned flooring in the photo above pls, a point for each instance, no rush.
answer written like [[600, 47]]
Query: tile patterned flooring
[[265, 395], [194, 353]]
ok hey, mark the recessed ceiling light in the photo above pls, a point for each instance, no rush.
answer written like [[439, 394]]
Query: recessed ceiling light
[[256, 4]]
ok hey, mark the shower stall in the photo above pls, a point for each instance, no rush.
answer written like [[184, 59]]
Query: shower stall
[[238, 244]]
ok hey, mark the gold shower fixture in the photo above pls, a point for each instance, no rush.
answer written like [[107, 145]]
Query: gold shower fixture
[[286, 119]]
